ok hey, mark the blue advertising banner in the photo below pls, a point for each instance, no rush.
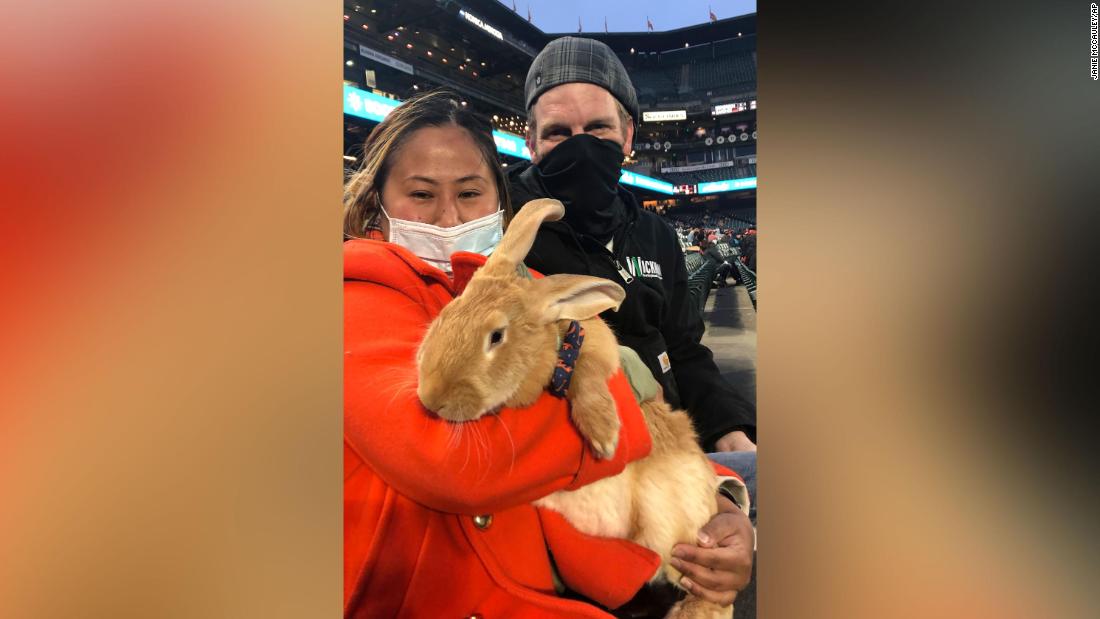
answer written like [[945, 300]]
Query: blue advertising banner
[[734, 184], [645, 182], [510, 144], [367, 104]]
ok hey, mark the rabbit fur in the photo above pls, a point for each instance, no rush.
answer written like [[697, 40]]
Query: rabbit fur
[[496, 345]]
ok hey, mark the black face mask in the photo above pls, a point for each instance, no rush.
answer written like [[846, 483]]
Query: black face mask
[[583, 172]]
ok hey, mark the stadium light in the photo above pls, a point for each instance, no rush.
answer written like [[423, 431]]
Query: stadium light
[[350, 63], [409, 45], [631, 50], [346, 18], [483, 63], [429, 52], [374, 10]]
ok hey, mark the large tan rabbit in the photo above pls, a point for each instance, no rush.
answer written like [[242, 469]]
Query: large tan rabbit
[[497, 345]]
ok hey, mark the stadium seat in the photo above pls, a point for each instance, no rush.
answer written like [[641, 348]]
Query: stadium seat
[[748, 279]]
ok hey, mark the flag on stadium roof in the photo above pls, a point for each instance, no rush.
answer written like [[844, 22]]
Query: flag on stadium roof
[[605, 23], [528, 13], [514, 7], [713, 17], [580, 28], [648, 23]]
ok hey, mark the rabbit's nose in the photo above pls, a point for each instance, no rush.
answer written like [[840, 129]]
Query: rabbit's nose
[[429, 399]]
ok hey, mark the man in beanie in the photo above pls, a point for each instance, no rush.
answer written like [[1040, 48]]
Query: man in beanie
[[581, 113], [581, 123]]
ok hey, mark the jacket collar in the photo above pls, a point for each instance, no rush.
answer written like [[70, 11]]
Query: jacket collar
[[394, 266]]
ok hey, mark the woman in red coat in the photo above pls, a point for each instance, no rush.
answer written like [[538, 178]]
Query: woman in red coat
[[437, 516]]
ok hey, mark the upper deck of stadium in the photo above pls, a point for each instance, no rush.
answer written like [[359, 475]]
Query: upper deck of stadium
[[701, 77]]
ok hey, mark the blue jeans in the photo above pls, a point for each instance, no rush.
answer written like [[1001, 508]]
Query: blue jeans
[[744, 464]]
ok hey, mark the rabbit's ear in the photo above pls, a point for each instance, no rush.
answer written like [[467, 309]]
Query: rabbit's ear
[[576, 297], [521, 232]]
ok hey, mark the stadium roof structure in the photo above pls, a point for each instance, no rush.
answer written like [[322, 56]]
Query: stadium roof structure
[[462, 26], [500, 14], [743, 26], [706, 32]]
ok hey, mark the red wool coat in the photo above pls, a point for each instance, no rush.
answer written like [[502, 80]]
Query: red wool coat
[[439, 524]]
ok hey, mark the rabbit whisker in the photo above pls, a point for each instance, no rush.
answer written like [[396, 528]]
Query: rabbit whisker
[[511, 442], [465, 460]]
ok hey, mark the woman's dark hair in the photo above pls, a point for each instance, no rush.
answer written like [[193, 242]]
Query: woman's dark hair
[[437, 108]]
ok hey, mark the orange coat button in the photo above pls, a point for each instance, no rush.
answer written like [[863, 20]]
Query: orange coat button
[[482, 522]]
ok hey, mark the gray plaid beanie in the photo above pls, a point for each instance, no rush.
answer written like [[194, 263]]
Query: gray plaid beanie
[[574, 59]]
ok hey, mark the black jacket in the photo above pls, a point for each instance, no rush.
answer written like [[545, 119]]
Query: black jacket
[[714, 254], [657, 316]]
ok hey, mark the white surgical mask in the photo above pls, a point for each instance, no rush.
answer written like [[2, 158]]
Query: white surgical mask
[[435, 245]]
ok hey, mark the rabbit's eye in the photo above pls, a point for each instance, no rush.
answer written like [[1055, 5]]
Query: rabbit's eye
[[496, 337]]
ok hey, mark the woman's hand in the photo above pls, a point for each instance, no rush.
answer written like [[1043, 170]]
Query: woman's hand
[[721, 564]]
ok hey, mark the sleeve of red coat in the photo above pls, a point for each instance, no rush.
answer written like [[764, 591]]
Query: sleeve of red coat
[[583, 560], [493, 463], [607, 570]]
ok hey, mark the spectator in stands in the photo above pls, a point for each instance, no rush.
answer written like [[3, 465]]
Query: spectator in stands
[[723, 268], [411, 504], [581, 111], [748, 250], [697, 236]]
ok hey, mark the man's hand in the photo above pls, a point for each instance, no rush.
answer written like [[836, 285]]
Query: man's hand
[[735, 441], [721, 565]]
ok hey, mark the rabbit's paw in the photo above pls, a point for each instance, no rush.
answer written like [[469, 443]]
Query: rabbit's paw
[[597, 419]]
